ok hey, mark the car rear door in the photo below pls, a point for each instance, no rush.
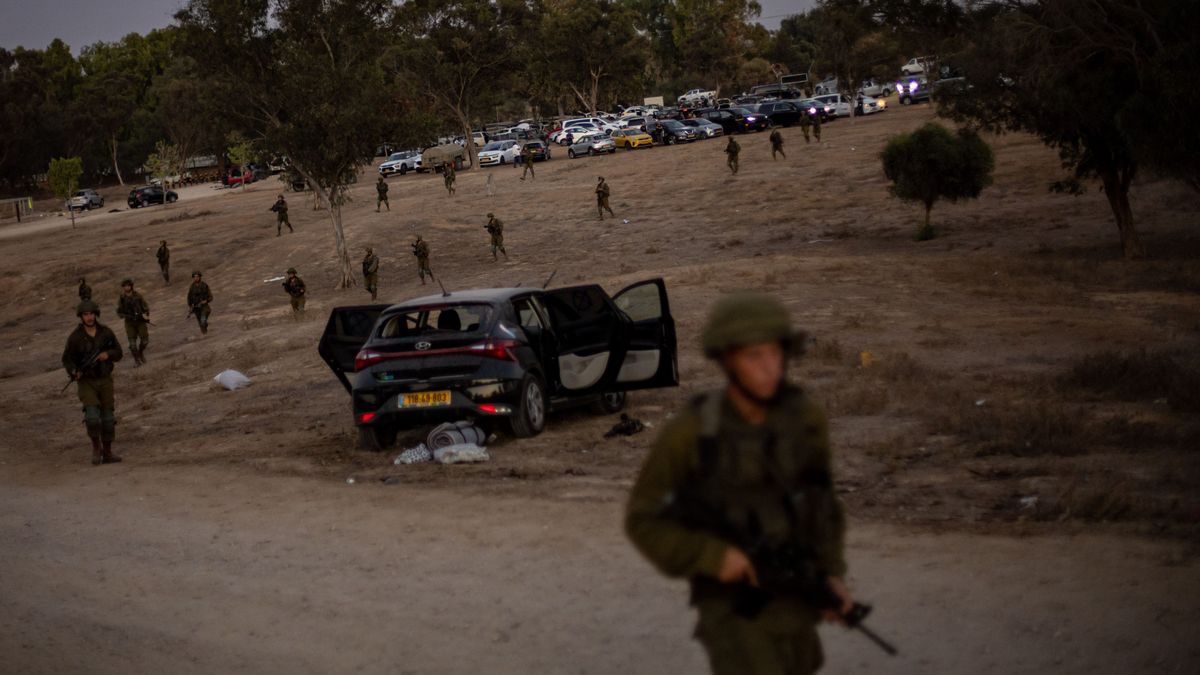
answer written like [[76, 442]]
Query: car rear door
[[345, 333], [651, 355], [589, 342]]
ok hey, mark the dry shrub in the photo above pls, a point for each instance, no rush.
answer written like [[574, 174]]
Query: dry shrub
[[1103, 500], [178, 217], [827, 351], [857, 395], [1025, 428], [1138, 376]]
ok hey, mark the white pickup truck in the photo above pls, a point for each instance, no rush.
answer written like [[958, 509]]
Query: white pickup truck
[[694, 96]]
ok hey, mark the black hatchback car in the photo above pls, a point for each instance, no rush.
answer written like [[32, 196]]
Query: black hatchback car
[[499, 355], [734, 120], [150, 194], [781, 113]]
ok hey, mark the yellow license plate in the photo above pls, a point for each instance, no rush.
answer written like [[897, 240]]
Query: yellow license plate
[[425, 399]]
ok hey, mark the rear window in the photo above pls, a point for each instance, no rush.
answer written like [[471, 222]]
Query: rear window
[[438, 320]]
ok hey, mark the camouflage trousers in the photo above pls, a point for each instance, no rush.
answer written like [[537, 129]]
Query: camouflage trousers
[[739, 646], [99, 407]]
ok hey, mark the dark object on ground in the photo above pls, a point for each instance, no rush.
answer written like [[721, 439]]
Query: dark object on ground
[[626, 427]]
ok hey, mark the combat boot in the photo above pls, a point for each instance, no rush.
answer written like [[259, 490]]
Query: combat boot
[[97, 453], [107, 455]]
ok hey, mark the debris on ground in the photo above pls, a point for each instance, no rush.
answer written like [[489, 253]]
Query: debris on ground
[[414, 455], [462, 453], [455, 433], [628, 426], [231, 380]]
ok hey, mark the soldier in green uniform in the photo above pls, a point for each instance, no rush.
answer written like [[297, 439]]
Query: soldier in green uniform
[[91, 351], [449, 175], [602, 195], [134, 309], [496, 228], [294, 286], [198, 298], [736, 495], [731, 150], [164, 260], [817, 126], [806, 120], [85, 291], [381, 190], [777, 144], [370, 267], [281, 216], [527, 160], [421, 251]]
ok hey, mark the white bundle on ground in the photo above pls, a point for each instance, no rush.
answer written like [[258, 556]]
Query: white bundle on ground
[[414, 455], [231, 380], [457, 433], [464, 453]]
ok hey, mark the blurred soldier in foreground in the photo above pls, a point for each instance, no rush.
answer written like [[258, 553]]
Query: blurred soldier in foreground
[[421, 251], [164, 260], [370, 267], [134, 309], [198, 298], [602, 195], [91, 351], [294, 286], [281, 216], [736, 495], [496, 228]]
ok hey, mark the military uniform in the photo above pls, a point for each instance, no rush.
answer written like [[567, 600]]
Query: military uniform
[[806, 121], [527, 160], [294, 286], [381, 189], [731, 150], [198, 298], [714, 481], [164, 261], [602, 195], [134, 309], [370, 267], [448, 177], [281, 216], [496, 228], [777, 144], [817, 126], [94, 382], [85, 291], [421, 251]]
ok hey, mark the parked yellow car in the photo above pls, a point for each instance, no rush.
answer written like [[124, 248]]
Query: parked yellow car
[[632, 138]]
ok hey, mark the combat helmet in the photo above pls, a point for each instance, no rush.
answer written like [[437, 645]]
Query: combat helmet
[[291, 270], [126, 282], [87, 306], [746, 318]]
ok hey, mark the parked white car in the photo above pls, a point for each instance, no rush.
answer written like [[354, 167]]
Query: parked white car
[[577, 132], [401, 163], [499, 152], [838, 105], [917, 66], [694, 96], [876, 89], [599, 123]]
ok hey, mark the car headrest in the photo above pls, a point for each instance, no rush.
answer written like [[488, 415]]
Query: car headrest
[[449, 320]]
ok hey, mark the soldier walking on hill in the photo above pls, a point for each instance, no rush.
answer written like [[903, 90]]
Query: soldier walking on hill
[[91, 351], [164, 260], [496, 229], [732, 149], [420, 249], [381, 190], [85, 291], [281, 216], [817, 126], [602, 195], [805, 124], [777, 144], [449, 176], [736, 495], [370, 267], [198, 298], [134, 309], [527, 160], [294, 286]]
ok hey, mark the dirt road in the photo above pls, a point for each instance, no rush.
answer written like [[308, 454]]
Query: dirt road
[[206, 570]]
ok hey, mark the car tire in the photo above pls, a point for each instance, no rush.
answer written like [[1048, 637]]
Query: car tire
[[611, 403], [501, 161], [376, 438], [143, 203], [905, 100], [403, 169], [529, 419], [171, 199], [570, 153]]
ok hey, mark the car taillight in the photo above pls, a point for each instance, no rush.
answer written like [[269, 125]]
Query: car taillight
[[366, 358], [364, 418], [495, 349]]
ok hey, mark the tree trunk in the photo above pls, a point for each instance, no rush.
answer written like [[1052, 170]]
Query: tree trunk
[[112, 144], [1116, 190], [472, 151], [326, 195], [69, 210]]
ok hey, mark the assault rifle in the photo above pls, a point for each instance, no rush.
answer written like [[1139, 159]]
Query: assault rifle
[[86, 364]]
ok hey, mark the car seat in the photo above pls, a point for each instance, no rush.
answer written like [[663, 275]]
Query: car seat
[[449, 320]]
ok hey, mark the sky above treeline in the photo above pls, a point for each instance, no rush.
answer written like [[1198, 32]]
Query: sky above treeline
[[34, 24]]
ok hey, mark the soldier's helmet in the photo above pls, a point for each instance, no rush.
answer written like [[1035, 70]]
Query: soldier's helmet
[[370, 250], [196, 273], [491, 215], [87, 306], [749, 318], [127, 282], [291, 270]]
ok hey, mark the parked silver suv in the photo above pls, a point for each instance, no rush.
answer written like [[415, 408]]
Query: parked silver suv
[[86, 200]]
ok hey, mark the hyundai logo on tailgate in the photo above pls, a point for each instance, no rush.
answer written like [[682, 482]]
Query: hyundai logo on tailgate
[[422, 346]]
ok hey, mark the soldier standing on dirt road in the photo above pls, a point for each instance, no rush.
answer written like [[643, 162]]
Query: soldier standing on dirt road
[[527, 160], [281, 216], [91, 351], [381, 190], [749, 463], [370, 267], [164, 260], [777, 144], [732, 149], [602, 195], [805, 123], [448, 177], [496, 228], [294, 286], [198, 298], [421, 251], [134, 309], [85, 291]]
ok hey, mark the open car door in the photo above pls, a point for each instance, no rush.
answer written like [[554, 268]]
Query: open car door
[[345, 333], [589, 342], [651, 357]]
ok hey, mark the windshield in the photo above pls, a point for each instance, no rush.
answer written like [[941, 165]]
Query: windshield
[[496, 145], [436, 320], [740, 111]]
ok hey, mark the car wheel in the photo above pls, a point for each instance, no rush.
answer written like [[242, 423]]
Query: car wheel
[[501, 161], [611, 403], [668, 141], [172, 198], [376, 438], [905, 100], [570, 153], [143, 203], [403, 169], [529, 419]]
